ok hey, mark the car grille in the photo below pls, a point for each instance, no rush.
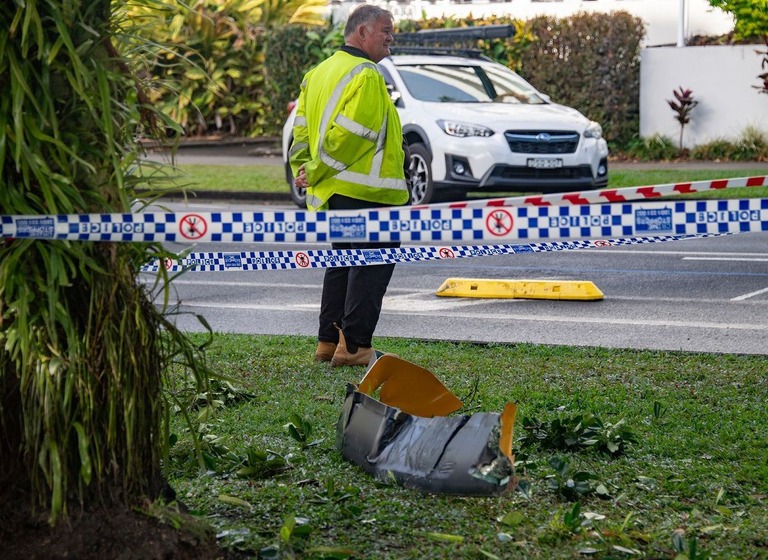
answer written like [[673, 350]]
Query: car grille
[[563, 173], [542, 141]]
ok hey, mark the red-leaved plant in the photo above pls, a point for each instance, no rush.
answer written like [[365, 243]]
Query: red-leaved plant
[[682, 107], [764, 76]]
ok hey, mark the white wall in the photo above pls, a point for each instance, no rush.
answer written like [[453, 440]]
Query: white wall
[[721, 80], [662, 17]]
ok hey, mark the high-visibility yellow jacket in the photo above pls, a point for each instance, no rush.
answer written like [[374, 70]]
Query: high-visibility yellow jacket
[[347, 134]]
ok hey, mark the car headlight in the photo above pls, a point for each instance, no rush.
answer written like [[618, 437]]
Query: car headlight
[[594, 130], [464, 130]]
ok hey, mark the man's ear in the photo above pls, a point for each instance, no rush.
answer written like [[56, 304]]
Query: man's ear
[[361, 31]]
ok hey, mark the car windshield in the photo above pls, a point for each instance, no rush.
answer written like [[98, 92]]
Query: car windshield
[[451, 83]]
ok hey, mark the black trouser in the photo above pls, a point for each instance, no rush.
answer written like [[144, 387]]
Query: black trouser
[[352, 296]]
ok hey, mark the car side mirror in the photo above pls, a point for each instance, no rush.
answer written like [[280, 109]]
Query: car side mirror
[[394, 95]]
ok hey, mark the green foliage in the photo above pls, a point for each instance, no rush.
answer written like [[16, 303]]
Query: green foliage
[[572, 519], [751, 16], [590, 62], [300, 430], [219, 68], [332, 495], [688, 550], [204, 63], [567, 484], [292, 51], [652, 148], [578, 432], [259, 463], [751, 145], [83, 348], [506, 51], [719, 149], [254, 463], [701, 470], [207, 62]]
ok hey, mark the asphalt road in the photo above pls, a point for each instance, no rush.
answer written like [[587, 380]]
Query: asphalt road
[[697, 295]]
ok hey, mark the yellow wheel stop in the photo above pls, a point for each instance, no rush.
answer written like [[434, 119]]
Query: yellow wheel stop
[[520, 289]]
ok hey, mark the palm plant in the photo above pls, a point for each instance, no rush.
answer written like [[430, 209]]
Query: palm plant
[[83, 349], [207, 59]]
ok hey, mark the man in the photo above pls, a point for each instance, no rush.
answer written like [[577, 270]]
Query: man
[[348, 153]]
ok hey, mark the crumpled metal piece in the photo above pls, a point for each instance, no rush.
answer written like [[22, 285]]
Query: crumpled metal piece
[[394, 439]]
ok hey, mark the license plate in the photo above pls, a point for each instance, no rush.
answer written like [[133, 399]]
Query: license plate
[[545, 163]]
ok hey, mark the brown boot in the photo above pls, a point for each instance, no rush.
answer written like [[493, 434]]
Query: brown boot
[[324, 352], [343, 357]]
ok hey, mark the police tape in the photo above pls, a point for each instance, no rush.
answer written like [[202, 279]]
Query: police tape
[[614, 195], [305, 260], [404, 224]]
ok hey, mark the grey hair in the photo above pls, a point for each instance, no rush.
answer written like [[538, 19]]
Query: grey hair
[[366, 14]]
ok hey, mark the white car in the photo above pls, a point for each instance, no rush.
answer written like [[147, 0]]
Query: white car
[[474, 125]]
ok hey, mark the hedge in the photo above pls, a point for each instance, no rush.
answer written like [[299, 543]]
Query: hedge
[[237, 81]]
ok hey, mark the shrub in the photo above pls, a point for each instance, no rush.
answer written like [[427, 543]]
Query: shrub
[[208, 61], [292, 50], [751, 16], [219, 67], [716, 150], [205, 63], [599, 54], [656, 147], [752, 145], [590, 62]]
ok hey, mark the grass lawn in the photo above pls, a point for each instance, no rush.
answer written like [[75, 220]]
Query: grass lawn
[[235, 178], [695, 480], [271, 179]]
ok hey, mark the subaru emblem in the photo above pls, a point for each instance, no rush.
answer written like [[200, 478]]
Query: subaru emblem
[[543, 137]]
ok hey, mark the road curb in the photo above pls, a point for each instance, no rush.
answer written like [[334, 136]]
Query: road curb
[[579, 290], [221, 195]]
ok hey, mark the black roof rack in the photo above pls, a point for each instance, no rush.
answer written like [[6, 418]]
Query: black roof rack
[[445, 51], [455, 35]]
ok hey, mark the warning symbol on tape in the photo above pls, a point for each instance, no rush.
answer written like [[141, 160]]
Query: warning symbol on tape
[[602, 243], [499, 222], [193, 226], [446, 253], [302, 259]]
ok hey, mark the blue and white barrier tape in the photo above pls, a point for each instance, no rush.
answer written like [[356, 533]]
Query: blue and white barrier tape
[[405, 224], [284, 260]]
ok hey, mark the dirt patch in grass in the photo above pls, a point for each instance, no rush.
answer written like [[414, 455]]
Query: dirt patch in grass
[[116, 532]]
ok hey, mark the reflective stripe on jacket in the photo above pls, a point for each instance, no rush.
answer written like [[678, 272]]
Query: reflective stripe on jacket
[[347, 134]]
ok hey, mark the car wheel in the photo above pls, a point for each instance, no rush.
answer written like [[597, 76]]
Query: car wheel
[[298, 194], [420, 185]]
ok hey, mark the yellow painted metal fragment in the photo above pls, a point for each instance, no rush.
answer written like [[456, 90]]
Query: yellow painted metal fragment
[[507, 430], [520, 289], [409, 387]]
